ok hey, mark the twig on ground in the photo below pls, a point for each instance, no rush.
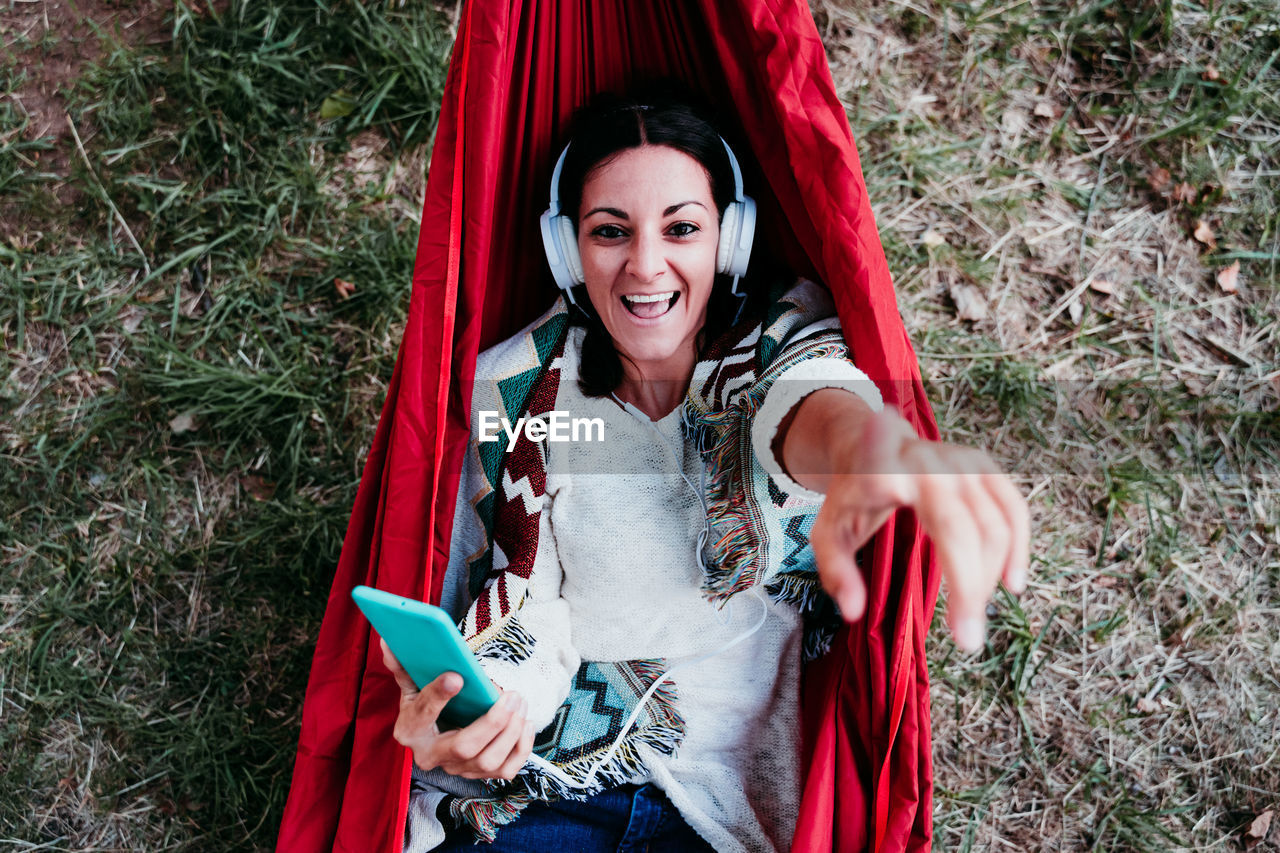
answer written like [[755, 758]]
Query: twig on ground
[[115, 210]]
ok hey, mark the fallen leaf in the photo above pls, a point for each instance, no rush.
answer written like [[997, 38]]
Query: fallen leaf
[[1261, 825], [1210, 73], [1044, 109], [1196, 386], [131, 317], [196, 306], [1103, 286], [1147, 706], [338, 105], [1158, 178], [344, 288], [1228, 278], [1014, 121], [1085, 402], [184, 422], [933, 239], [258, 487], [1204, 234], [1061, 369], [970, 303], [1184, 193]]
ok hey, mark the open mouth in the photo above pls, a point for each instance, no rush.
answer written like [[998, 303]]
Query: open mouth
[[650, 306]]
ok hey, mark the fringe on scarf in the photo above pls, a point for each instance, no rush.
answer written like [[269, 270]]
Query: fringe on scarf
[[737, 554], [485, 815], [817, 641], [512, 643], [801, 590], [662, 733], [804, 591], [739, 561]]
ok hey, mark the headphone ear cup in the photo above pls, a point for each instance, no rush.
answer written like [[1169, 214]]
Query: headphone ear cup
[[729, 225], [569, 248]]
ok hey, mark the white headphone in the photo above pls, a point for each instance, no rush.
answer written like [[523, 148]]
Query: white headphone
[[737, 233]]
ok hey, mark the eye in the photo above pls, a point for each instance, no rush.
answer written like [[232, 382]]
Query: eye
[[683, 229], [608, 232]]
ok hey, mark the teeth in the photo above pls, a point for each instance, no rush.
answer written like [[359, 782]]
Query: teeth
[[656, 297]]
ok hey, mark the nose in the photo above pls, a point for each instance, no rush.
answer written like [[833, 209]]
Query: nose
[[645, 260]]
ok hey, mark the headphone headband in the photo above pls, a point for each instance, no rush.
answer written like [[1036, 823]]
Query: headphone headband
[[555, 182], [556, 172]]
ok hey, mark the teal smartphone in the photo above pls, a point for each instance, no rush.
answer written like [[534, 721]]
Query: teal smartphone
[[427, 643]]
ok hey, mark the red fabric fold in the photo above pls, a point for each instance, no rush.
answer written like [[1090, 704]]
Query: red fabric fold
[[519, 70]]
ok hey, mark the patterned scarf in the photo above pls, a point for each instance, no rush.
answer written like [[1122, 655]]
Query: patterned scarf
[[763, 538]]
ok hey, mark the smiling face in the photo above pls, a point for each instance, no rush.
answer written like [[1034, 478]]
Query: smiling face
[[647, 233]]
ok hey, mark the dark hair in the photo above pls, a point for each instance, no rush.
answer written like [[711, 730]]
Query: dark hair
[[602, 130]]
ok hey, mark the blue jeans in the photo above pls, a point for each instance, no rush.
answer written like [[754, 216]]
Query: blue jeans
[[625, 819]]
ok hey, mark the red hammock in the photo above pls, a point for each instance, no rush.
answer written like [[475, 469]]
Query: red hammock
[[519, 70]]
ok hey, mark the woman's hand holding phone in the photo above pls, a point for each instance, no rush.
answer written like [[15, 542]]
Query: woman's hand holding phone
[[495, 746]]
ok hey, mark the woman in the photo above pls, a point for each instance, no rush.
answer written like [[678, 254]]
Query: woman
[[606, 564]]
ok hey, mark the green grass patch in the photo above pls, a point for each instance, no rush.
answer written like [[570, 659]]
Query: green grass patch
[[166, 577]]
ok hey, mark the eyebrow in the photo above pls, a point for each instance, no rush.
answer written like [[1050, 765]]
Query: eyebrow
[[613, 211]]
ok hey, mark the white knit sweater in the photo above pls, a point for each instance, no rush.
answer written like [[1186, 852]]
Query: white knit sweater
[[616, 578]]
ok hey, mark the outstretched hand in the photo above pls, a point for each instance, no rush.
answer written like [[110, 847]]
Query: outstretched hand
[[977, 518]]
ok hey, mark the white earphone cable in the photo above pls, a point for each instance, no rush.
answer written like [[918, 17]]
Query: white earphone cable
[[550, 768]]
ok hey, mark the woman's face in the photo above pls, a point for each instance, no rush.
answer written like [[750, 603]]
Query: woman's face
[[647, 232]]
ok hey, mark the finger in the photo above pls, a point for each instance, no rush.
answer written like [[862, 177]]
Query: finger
[[430, 702], [489, 762], [416, 725], [952, 527], [993, 532], [1014, 507], [467, 742], [519, 755], [836, 556], [407, 688]]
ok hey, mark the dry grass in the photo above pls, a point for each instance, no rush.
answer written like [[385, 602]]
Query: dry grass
[[1068, 320]]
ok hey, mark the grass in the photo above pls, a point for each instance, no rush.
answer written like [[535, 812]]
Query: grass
[[1127, 702], [186, 418], [164, 581]]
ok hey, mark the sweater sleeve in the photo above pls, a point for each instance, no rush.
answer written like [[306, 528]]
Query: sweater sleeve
[[786, 392]]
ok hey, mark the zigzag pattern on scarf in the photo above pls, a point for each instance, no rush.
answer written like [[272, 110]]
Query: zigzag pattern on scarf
[[526, 383], [797, 583], [520, 481], [604, 694]]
